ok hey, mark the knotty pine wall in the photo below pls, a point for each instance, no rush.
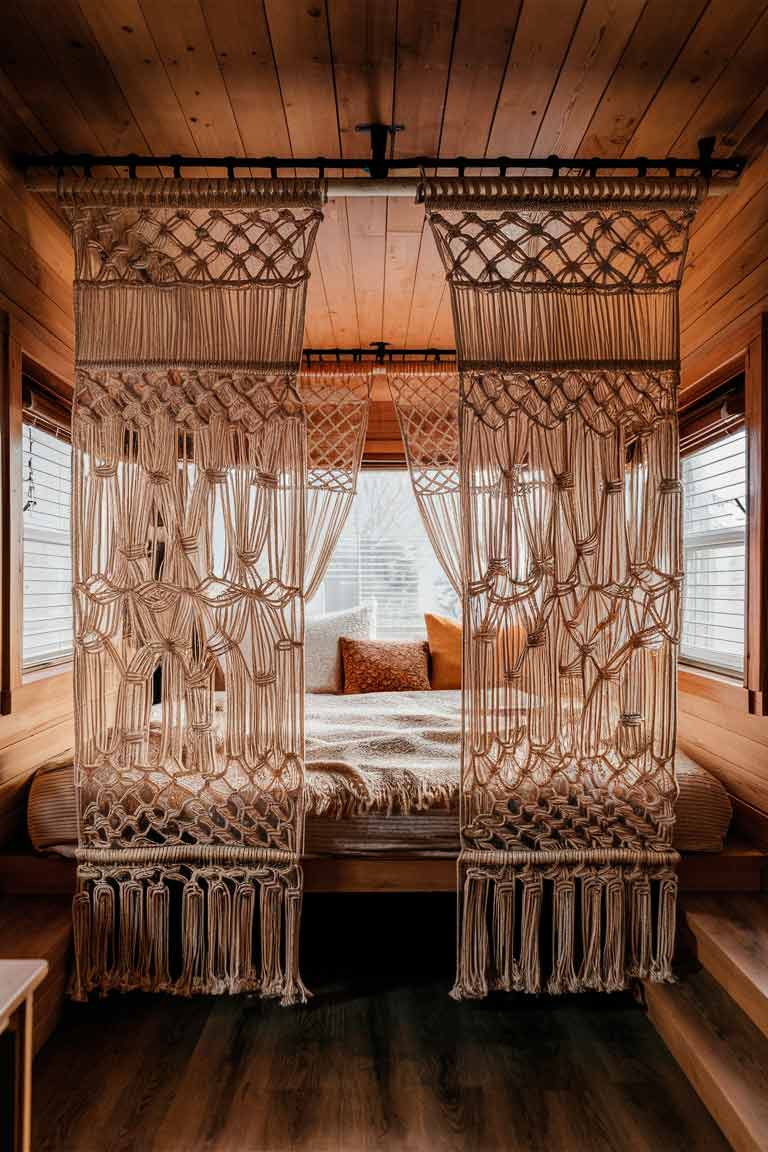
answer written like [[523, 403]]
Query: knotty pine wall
[[35, 322], [726, 282], [726, 285]]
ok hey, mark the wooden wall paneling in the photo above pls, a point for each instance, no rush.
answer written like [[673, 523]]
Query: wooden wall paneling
[[425, 32], [749, 141], [405, 223], [718, 35], [180, 33], [737, 88], [20, 129], [38, 80], [428, 288], [25, 260], [300, 41], [542, 39], [383, 439], [484, 35], [362, 39], [598, 42], [362, 42], [242, 46], [37, 719], [723, 753], [659, 35], [301, 46], [123, 35], [734, 718], [743, 301], [334, 254], [712, 244], [68, 40], [443, 334], [36, 227], [26, 299], [367, 217], [318, 332], [750, 250]]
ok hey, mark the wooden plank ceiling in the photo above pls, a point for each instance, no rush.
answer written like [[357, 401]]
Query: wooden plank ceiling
[[294, 77]]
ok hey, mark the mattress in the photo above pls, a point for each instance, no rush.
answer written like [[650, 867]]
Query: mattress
[[382, 778]]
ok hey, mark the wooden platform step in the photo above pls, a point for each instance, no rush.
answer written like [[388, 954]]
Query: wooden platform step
[[40, 927], [722, 1053], [731, 939]]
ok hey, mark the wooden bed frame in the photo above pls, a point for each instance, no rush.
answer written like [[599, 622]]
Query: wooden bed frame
[[740, 867]]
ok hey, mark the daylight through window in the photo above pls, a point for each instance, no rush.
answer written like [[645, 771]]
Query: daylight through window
[[384, 555], [46, 500], [714, 482]]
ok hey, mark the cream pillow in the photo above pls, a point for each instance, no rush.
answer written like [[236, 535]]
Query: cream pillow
[[322, 654]]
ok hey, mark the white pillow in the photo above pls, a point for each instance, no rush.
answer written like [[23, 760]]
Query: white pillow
[[322, 654]]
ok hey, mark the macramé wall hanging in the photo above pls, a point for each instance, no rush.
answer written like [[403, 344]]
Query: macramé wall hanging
[[565, 305], [189, 490], [337, 402], [427, 406]]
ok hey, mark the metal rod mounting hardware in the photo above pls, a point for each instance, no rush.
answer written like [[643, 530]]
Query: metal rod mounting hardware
[[379, 353], [380, 168]]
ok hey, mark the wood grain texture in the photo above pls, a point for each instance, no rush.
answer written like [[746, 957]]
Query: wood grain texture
[[722, 1053], [36, 302], [287, 77], [39, 927], [737, 869], [381, 1058], [731, 934], [284, 77]]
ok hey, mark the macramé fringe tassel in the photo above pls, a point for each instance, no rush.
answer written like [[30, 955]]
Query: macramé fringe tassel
[[188, 932], [602, 925]]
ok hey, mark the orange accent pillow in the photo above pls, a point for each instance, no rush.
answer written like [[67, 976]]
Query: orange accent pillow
[[444, 637], [384, 666]]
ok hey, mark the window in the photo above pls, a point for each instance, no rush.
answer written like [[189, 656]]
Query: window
[[384, 555], [714, 483], [46, 500]]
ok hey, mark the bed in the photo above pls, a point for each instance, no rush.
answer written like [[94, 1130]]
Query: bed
[[382, 781]]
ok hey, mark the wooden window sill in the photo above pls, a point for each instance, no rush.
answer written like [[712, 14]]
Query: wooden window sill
[[723, 690]]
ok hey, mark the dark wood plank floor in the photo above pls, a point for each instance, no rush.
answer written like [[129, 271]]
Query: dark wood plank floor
[[381, 1058]]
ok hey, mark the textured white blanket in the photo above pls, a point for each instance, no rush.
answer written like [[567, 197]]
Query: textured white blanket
[[381, 752]]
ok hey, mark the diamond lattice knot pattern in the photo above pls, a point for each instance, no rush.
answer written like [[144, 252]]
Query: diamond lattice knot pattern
[[571, 569], [190, 487]]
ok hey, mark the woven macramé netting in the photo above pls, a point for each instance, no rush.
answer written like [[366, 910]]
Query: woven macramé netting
[[427, 405], [337, 402], [565, 304], [189, 478]]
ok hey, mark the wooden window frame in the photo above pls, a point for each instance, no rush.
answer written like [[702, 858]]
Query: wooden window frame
[[744, 350], [23, 349]]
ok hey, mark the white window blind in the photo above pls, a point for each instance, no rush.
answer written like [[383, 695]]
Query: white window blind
[[46, 497], [714, 482], [384, 555]]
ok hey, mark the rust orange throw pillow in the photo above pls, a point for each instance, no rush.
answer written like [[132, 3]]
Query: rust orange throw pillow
[[384, 666], [444, 636]]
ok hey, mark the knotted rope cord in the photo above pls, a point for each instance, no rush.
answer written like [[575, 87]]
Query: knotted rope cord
[[336, 400], [427, 404], [189, 489], [565, 305]]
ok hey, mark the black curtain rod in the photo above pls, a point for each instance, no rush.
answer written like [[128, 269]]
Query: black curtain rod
[[378, 353], [705, 163]]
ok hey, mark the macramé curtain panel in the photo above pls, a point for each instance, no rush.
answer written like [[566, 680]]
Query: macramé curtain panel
[[337, 402], [427, 402], [565, 305], [189, 489]]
